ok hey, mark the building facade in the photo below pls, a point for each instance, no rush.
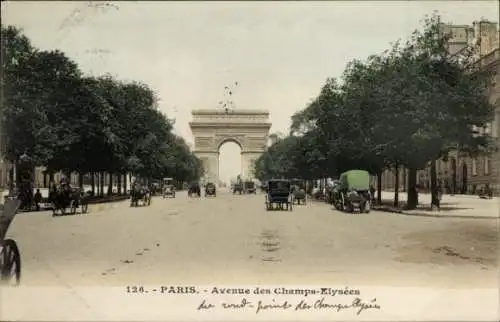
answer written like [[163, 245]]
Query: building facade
[[461, 173]]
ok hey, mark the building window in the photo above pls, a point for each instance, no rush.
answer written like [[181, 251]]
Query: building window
[[474, 167], [486, 165]]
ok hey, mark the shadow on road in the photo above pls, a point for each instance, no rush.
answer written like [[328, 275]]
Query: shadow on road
[[473, 243], [270, 243]]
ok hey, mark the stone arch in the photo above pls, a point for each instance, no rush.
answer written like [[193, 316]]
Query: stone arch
[[212, 128], [220, 142]]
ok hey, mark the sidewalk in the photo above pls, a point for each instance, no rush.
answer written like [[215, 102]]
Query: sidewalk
[[456, 206], [45, 191]]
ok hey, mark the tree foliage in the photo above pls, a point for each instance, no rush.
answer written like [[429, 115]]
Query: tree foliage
[[408, 106], [74, 123]]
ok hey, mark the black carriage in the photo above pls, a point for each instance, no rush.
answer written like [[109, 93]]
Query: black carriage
[[279, 194], [168, 187], [299, 191], [156, 188], [140, 193], [10, 258], [238, 188], [210, 189], [249, 187], [194, 189], [66, 197]]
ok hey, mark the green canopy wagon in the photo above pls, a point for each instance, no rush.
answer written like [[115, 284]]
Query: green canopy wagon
[[352, 192]]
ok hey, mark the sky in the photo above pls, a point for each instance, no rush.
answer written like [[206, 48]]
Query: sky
[[280, 53]]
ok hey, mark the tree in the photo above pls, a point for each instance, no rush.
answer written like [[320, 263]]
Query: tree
[[72, 123], [23, 118], [404, 108]]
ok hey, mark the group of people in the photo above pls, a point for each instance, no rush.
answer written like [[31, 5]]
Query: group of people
[[30, 199]]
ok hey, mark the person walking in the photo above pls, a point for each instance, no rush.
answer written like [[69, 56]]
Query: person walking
[[38, 199]]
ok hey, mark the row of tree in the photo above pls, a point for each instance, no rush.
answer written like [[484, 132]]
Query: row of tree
[[406, 107], [70, 122]]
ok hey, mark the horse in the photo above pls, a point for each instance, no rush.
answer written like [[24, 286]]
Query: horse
[[65, 196], [140, 193]]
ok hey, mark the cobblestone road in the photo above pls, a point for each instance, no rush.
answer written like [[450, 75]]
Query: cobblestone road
[[232, 239]]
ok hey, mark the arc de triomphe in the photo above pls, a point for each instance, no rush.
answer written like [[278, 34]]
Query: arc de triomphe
[[212, 127]]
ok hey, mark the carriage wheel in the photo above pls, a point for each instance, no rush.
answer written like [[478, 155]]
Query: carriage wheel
[[10, 262], [72, 207], [342, 203], [85, 207]]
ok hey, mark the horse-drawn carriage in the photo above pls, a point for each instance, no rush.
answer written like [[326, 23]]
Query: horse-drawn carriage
[[299, 191], [353, 192], [168, 187], [210, 189], [279, 193], [249, 187], [66, 197], [194, 189], [140, 193], [238, 187], [10, 258]]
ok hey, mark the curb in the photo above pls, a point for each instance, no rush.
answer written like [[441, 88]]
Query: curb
[[402, 212]]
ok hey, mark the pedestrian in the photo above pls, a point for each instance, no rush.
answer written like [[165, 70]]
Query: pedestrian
[[372, 193], [439, 195], [38, 199]]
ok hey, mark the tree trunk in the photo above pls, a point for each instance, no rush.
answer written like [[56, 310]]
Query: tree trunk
[[17, 180], [396, 186], [98, 183], [119, 183], [405, 177], [92, 182], [379, 188], [434, 195], [125, 183], [101, 184], [412, 194], [80, 180], [110, 185]]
